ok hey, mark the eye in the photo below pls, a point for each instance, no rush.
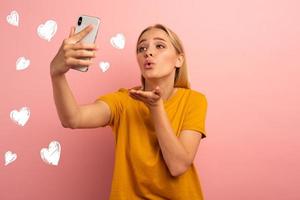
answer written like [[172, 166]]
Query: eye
[[160, 46], [141, 49]]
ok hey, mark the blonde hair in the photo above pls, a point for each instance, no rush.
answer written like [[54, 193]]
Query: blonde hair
[[181, 73]]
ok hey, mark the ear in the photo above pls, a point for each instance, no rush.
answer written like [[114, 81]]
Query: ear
[[179, 61]]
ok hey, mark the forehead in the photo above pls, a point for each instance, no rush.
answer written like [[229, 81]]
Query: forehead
[[154, 33]]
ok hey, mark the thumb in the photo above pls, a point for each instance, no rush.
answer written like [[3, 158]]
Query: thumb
[[72, 31], [157, 90]]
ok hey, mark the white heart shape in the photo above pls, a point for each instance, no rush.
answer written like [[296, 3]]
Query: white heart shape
[[118, 41], [52, 154], [20, 117], [22, 63], [13, 18], [46, 31], [104, 66], [9, 157]]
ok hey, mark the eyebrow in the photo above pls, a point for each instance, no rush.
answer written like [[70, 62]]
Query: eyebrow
[[156, 38]]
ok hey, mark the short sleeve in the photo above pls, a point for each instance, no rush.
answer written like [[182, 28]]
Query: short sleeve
[[196, 114], [115, 101]]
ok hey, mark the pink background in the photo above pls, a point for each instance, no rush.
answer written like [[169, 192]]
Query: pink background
[[243, 55]]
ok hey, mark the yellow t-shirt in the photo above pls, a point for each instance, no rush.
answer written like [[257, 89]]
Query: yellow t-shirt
[[140, 171]]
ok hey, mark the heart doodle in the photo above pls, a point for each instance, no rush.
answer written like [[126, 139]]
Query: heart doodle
[[20, 117], [52, 154], [47, 31], [118, 41], [22, 63], [9, 157], [13, 18], [104, 66]]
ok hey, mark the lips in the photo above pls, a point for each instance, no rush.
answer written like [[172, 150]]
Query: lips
[[148, 64]]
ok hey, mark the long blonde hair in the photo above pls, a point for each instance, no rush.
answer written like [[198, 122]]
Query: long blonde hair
[[181, 73]]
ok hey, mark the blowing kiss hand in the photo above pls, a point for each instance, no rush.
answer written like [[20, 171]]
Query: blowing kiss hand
[[152, 98]]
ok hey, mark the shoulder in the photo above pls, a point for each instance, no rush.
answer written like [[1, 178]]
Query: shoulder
[[116, 95], [194, 94], [194, 99], [123, 91]]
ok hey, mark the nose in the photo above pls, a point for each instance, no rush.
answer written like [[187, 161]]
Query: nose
[[148, 53]]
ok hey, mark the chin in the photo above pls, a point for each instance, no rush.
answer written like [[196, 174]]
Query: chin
[[154, 76]]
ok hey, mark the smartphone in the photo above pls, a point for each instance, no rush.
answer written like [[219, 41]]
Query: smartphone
[[82, 22]]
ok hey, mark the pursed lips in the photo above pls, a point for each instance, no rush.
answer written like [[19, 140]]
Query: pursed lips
[[148, 64]]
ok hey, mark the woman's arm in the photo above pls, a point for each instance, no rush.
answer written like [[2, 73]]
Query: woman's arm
[[179, 152], [66, 106], [72, 53]]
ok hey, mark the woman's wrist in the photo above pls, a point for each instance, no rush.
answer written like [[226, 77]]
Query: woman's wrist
[[157, 106], [54, 74]]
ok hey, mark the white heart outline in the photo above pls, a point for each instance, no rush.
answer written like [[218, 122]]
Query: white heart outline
[[51, 155], [13, 18], [20, 117], [104, 66], [47, 30], [9, 157], [118, 41], [22, 63]]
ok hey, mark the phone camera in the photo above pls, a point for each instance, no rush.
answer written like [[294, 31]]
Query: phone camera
[[79, 21]]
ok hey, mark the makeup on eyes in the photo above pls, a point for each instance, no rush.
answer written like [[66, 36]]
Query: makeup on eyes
[[158, 45]]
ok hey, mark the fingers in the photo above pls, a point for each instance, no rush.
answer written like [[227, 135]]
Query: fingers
[[80, 50], [81, 45], [73, 42], [146, 95], [139, 97], [80, 54], [157, 91], [78, 62], [80, 35], [72, 31], [137, 88], [147, 101], [150, 98]]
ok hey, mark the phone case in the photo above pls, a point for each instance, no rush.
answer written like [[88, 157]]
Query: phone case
[[82, 22]]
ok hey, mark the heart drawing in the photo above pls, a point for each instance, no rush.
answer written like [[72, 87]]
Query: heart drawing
[[20, 117], [9, 157], [118, 41], [47, 30], [13, 18], [52, 154], [22, 63], [104, 66]]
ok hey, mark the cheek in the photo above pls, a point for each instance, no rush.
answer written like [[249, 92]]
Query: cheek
[[169, 60], [139, 60]]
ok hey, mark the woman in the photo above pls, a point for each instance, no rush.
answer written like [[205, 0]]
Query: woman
[[157, 126]]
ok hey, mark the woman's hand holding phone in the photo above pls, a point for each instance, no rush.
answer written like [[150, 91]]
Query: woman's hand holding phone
[[73, 53]]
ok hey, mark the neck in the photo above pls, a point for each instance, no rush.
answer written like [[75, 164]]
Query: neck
[[167, 87]]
